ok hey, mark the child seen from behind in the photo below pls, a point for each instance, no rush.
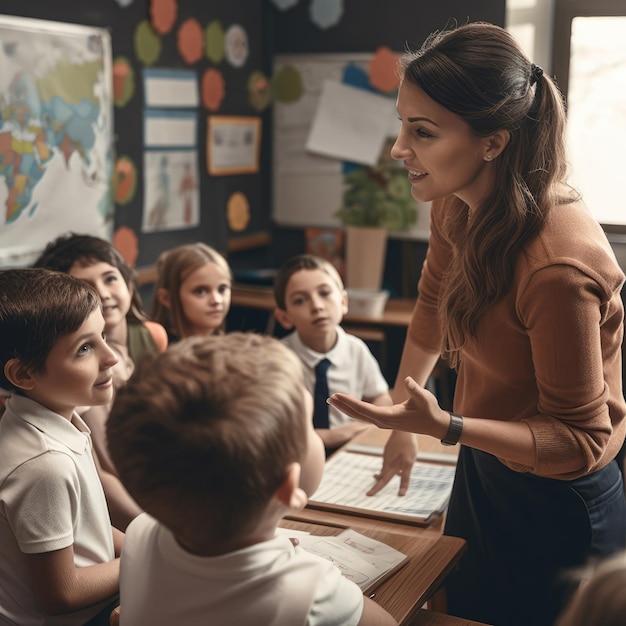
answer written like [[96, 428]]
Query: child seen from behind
[[58, 550], [214, 440], [192, 292], [311, 301]]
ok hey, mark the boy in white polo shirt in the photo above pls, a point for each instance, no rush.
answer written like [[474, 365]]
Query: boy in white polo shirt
[[310, 298], [58, 550]]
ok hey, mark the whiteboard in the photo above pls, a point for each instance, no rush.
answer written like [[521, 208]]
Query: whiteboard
[[308, 188]]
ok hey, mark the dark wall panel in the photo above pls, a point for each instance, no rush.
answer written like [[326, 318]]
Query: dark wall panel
[[368, 24]]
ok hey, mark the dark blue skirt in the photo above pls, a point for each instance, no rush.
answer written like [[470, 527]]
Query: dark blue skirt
[[525, 534]]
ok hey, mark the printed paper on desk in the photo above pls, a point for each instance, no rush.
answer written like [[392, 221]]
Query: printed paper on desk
[[350, 123], [349, 475], [361, 559]]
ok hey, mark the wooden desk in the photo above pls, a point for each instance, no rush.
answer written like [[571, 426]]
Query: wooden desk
[[397, 312], [432, 558], [432, 555]]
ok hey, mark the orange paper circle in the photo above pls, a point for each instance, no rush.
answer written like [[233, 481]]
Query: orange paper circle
[[124, 180], [163, 15], [213, 89], [238, 211], [125, 240], [190, 39], [383, 69]]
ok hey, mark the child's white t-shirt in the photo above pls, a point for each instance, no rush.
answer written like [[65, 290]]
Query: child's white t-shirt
[[267, 584]]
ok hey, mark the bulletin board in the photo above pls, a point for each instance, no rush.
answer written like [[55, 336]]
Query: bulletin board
[[307, 187], [56, 134], [175, 64]]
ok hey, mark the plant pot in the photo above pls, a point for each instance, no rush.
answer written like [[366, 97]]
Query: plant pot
[[366, 250]]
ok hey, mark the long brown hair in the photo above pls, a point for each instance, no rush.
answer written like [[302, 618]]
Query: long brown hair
[[173, 266], [480, 73]]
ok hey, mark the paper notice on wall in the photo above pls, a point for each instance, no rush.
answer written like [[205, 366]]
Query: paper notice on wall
[[350, 124]]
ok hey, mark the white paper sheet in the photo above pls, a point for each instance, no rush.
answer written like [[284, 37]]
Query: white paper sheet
[[350, 123]]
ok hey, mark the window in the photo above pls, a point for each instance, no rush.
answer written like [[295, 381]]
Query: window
[[590, 68]]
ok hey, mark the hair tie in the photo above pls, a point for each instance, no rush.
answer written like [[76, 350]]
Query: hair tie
[[536, 73]]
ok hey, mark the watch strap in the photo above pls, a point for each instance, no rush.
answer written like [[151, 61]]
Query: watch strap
[[454, 430]]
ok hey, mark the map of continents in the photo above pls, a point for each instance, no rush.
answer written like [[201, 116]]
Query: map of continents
[[55, 136]]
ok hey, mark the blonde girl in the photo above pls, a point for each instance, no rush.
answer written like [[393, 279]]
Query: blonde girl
[[193, 290]]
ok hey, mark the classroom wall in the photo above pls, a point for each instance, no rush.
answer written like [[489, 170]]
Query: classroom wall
[[122, 18], [363, 27]]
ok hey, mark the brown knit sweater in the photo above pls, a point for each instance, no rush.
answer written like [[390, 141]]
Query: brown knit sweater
[[548, 353]]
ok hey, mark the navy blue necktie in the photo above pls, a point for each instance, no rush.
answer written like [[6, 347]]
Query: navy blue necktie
[[320, 394]]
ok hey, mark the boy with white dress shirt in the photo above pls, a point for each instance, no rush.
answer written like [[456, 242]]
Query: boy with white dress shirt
[[311, 300]]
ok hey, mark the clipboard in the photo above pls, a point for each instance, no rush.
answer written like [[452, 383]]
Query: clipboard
[[348, 475]]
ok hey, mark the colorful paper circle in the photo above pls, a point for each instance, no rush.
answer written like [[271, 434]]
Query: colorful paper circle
[[163, 15], [147, 43], [383, 69], [213, 89], [236, 45], [214, 42], [124, 180], [125, 240], [123, 81], [238, 211], [190, 40], [326, 13], [259, 92], [288, 85]]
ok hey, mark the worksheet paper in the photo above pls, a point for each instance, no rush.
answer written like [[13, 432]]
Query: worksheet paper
[[361, 559], [349, 475]]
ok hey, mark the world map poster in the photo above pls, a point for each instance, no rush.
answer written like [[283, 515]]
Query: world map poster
[[56, 119]]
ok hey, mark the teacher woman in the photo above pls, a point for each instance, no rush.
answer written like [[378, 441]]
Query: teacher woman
[[520, 291]]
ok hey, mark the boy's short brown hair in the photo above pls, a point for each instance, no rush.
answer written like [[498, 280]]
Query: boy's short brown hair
[[202, 435], [37, 306], [297, 263]]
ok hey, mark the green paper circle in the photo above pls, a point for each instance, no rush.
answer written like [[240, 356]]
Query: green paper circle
[[287, 84], [214, 42], [147, 43]]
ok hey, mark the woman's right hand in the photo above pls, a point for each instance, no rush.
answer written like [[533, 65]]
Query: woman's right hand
[[419, 413]]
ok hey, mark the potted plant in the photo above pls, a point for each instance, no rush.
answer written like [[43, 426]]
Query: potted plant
[[376, 199]]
